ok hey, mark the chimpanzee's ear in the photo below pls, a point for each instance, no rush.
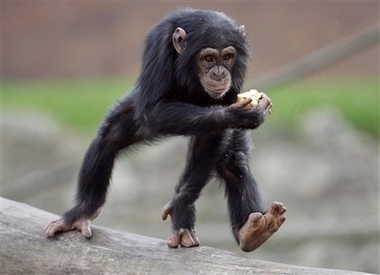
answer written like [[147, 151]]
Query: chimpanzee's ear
[[241, 30], [178, 37]]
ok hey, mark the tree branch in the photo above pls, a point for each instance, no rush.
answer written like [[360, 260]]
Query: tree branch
[[26, 250]]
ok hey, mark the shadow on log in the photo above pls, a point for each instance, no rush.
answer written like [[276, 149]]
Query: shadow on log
[[26, 250]]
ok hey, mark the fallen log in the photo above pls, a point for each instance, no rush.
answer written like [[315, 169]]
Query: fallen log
[[26, 250]]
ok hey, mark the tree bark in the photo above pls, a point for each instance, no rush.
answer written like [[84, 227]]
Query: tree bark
[[26, 250]]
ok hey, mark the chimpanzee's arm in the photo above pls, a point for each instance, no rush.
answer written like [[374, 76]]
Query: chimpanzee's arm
[[176, 118]]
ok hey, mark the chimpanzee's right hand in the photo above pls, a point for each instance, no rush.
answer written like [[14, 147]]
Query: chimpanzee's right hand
[[251, 118]]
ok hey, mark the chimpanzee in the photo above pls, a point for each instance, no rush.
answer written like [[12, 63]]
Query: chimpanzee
[[193, 67]]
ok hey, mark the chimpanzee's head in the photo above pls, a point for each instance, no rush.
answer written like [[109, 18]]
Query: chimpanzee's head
[[217, 47]]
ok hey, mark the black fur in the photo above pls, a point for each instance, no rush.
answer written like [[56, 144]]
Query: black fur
[[169, 100]]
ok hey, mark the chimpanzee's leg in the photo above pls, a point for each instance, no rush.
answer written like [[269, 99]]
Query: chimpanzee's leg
[[204, 151], [117, 131], [251, 225]]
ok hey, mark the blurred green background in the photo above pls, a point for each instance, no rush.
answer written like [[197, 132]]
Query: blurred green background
[[64, 64], [358, 99]]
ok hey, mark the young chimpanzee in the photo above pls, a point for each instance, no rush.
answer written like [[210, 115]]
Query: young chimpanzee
[[193, 67]]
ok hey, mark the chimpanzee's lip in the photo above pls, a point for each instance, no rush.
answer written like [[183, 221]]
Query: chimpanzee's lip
[[217, 93], [220, 90]]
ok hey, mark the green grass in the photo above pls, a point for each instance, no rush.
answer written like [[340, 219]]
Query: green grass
[[81, 104], [357, 99]]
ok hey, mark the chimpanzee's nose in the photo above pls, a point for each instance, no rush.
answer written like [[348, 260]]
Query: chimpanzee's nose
[[219, 73]]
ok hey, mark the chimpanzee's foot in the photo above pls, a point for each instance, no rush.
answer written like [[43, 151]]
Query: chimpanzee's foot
[[259, 227], [182, 237], [83, 225]]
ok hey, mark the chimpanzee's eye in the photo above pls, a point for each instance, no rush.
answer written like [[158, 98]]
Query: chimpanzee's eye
[[227, 57], [209, 58]]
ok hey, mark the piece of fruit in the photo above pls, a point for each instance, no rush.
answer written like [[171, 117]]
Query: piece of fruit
[[252, 94]]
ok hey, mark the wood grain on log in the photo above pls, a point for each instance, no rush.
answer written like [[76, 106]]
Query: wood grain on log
[[26, 250]]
